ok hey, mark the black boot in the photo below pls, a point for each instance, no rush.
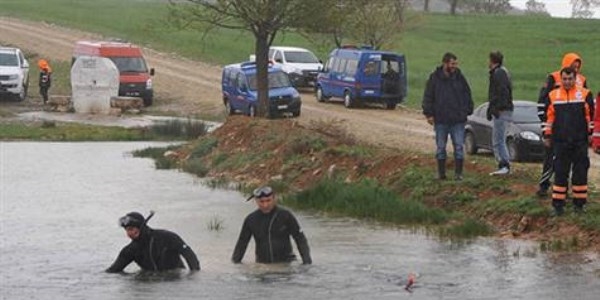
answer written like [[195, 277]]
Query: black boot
[[441, 169], [578, 205], [458, 169], [559, 207]]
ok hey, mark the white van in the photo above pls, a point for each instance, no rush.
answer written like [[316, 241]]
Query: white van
[[301, 65], [14, 73]]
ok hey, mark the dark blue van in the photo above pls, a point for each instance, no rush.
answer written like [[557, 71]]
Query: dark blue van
[[239, 85], [362, 75]]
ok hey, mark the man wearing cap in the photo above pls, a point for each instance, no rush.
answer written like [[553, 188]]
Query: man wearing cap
[[152, 249], [271, 226]]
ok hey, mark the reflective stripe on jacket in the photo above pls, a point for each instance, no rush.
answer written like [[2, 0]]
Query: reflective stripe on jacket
[[569, 114]]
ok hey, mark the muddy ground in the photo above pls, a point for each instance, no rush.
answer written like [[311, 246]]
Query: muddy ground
[[184, 87]]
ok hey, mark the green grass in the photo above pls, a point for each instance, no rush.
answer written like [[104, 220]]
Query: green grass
[[532, 46], [50, 131], [365, 199]]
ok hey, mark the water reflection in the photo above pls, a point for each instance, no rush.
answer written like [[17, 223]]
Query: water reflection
[[60, 203]]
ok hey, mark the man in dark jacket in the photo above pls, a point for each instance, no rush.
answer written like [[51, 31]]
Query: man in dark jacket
[[152, 249], [271, 226], [446, 104], [500, 110]]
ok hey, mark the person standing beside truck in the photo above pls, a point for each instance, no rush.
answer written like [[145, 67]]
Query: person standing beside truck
[[45, 79], [446, 104]]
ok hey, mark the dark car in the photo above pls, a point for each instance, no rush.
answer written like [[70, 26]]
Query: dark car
[[523, 135]]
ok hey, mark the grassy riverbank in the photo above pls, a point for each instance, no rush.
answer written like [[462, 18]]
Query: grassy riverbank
[[75, 132], [323, 168], [532, 46]]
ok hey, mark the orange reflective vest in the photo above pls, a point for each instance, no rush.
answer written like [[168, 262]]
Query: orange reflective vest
[[569, 114]]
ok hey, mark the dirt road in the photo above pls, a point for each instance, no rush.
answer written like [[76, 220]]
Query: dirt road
[[184, 87]]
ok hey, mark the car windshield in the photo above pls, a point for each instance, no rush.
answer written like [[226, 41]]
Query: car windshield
[[130, 64], [302, 57], [525, 114], [276, 80], [9, 60]]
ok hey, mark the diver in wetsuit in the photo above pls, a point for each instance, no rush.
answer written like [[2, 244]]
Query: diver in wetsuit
[[152, 249], [271, 226]]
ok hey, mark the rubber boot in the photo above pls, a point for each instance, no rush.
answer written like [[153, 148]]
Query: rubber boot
[[441, 169], [559, 207], [578, 205], [458, 169]]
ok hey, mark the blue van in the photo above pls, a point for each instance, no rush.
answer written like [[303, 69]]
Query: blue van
[[239, 86], [362, 75]]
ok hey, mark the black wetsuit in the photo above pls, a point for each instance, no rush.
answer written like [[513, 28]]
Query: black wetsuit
[[156, 250], [271, 234]]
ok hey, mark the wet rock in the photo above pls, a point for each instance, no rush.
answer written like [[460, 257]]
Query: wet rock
[[524, 224]]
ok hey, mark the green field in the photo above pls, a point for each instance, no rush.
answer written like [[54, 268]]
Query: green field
[[532, 46]]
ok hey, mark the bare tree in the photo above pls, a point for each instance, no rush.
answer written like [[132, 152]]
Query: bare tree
[[263, 18], [486, 6], [534, 7], [453, 6], [583, 8], [375, 23]]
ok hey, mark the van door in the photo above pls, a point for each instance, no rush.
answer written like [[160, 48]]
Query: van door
[[241, 92], [369, 76], [338, 78], [325, 77]]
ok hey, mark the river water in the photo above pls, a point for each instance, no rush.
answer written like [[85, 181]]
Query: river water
[[59, 205]]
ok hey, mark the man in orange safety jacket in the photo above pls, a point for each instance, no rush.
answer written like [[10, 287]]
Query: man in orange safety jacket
[[554, 81], [569, 127]]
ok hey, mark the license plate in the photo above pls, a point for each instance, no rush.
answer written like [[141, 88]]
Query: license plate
[[282, 106]]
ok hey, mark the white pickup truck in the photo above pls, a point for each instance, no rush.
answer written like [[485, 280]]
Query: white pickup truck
[[301, 65], [14, 73]]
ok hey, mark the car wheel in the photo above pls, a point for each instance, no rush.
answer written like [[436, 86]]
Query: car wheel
[[390, 105], [319, 95], [470, 144], [228, 108], [148, 101], [513, 151], [252, 111], [348, 103], [296, 113]]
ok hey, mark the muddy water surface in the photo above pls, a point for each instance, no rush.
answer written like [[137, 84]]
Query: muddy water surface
[[59, 205]]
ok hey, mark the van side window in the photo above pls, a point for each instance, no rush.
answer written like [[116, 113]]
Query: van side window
[[371, 68], [240, 81], [339, 68], [333, 64], [231, 77], [393, 66], [351, 67], [271, 52], [278, 57]]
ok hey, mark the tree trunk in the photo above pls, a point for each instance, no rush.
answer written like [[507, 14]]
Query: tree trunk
[[453, 6], [426, 6], [262, 65]]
